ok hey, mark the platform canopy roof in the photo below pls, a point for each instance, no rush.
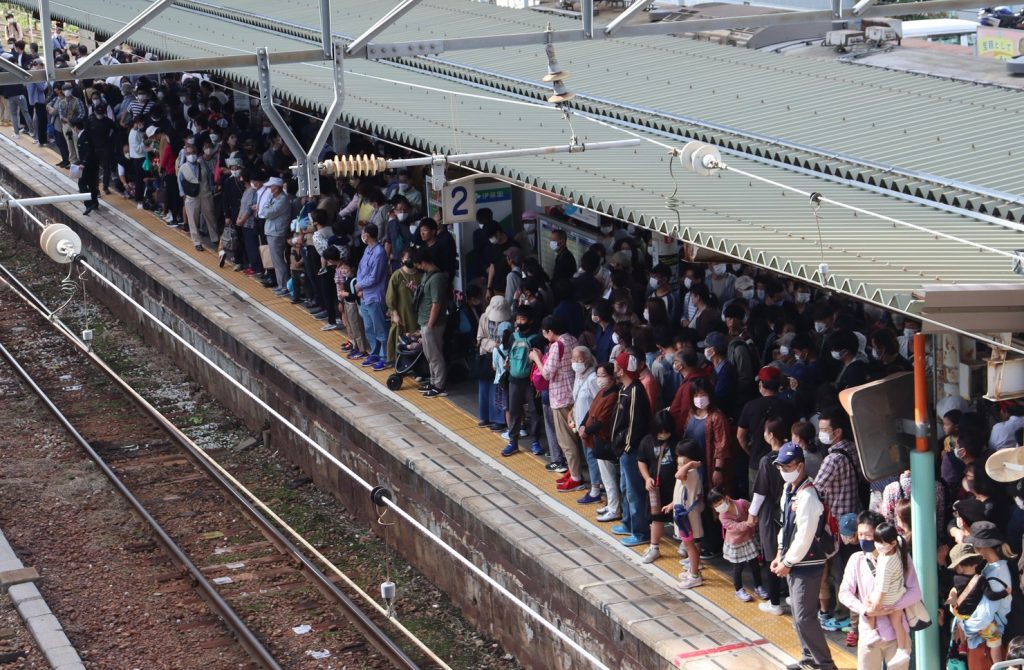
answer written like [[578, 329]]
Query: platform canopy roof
[[877, 260]]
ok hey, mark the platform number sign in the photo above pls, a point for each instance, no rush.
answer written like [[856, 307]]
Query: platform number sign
[[460, 202]]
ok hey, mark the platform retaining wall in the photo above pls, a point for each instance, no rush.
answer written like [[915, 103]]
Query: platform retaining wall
[[386, 445]]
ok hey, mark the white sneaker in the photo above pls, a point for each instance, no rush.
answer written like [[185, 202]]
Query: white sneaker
[[900, 658], [870, 638], [652, 554], [761, 592], [139, 206], [329, 326], [608, 516], [505, 436], [689, 581], [602, 510], [168, 217], [743, 596], [768, 608], [682, 551]]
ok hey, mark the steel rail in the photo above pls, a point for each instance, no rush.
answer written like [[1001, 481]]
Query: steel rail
[[243, 634], [366, 626]]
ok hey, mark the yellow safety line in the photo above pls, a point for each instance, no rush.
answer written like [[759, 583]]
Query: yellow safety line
[[717, 585]]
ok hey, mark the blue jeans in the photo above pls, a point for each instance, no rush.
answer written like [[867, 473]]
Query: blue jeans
[[592, 467], [486, 410], [636, 514], [376, 328]]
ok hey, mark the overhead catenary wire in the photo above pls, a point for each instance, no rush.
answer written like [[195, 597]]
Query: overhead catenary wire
[[285, 422]]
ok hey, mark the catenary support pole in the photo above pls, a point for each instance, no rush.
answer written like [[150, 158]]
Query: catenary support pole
[[47, 29], [922, 515], [587, 10], [325, 27]]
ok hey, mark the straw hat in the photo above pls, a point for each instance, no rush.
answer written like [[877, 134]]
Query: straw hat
[[1006, 465]]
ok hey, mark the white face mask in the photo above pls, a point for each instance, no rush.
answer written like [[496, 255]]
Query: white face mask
[[492, 240], [909, 332], [1019, 501], [748, 294], [413, 228], [214, 138], [553, 245], [615, 338], [718, 268], [800, 358], [802, 297], [647, 315], [236, 173], [403, 188], [687, 282], [707, 353], [825, 437], [255, 184], [606, 230], [191, 158], [819, 326], [578, 367], [701, 401], [759, 293], [401, 215], [604, 382], [837, 355], [722, 508], [595, 318], [960, 452], [790, 477], [529, 227], [653, 282], [784, 350]]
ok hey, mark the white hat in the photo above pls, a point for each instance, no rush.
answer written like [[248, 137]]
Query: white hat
[[152, 130], [1006, 465], [274, 181]]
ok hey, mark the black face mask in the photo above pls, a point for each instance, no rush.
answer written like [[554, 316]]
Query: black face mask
[[408, 264]]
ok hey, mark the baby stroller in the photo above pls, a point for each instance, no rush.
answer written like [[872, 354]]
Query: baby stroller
[[407, 361]]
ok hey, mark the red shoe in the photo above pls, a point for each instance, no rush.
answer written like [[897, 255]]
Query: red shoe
[[851, 639], [565, 477], [571, 485], [248, 271]]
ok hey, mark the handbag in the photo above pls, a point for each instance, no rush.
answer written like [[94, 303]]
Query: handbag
[[191, 189], [265, 256], [229, 238], [917, 616]]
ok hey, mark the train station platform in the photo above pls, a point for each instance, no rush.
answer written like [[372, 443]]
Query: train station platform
[[503, 513]]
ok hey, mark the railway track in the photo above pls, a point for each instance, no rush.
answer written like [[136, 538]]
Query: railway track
[[265, 595]]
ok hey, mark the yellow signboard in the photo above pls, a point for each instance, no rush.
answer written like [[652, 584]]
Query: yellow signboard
[[1001, 43]]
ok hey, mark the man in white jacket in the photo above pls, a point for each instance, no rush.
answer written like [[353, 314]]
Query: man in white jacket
[[803, 550]]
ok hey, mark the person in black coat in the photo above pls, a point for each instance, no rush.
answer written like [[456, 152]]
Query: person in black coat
[[102, 133], [88, 159]]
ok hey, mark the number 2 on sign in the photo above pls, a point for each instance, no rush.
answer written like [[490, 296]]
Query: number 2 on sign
[[459, 196], [459, 202]]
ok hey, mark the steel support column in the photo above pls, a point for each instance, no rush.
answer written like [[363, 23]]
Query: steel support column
[[325, 27], [587, 10], [20, 72], [47, 29], [631, 11]]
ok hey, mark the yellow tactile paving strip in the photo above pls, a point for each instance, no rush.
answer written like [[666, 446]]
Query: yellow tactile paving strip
[[717, 585]]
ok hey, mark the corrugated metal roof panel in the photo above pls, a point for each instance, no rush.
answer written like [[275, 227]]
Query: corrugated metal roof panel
[[727, 212]]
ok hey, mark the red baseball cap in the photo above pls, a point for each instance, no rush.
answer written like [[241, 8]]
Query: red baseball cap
[[769, 373]]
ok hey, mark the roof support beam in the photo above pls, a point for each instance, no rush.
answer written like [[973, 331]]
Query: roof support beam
[[22, 74], [174, 65], [121, 35], [631, 11], [356, 45], [587, 10], [47, 28], [325, 27]]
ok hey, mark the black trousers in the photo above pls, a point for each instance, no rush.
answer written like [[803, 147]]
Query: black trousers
[[88, 183], [329, 295], [41, 121], [737, 573]]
